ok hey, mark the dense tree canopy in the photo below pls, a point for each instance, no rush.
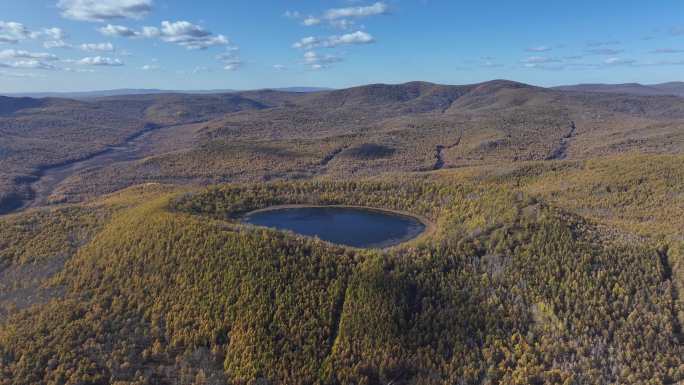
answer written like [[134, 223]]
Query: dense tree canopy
[[507, 290]]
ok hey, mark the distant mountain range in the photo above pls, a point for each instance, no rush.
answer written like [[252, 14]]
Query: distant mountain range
[[670, 88], [143, 91]]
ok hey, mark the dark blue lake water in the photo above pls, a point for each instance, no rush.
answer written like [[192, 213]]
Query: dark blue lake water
[[348, 226]]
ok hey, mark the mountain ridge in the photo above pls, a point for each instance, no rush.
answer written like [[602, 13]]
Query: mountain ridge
[[145, 91], [669, 88]]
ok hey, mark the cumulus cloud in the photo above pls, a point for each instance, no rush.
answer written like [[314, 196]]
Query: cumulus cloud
[[232, 65], [189, 35], [307, 42], [100, 61], [316, 61], [354, 38], [97, 47], [279, 67], [230, 60], [292, 14], [29, 64], [183, 33], [358, 37], [20, 54], [54, 38], [54, 33], [50, 44], [117, 31], [363, 11], [150, 32], [103, 10], [13, 32], [341, 17], [311, 20]]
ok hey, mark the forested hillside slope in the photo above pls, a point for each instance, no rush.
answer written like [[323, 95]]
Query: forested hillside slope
[[557, 255]]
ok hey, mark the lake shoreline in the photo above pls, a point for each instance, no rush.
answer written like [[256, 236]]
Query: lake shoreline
[[429, 227]]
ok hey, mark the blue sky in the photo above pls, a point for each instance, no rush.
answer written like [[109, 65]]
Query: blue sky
[[70, 45]]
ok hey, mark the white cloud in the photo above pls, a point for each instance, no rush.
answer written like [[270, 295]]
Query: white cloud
[[180, 32], [279, 67], [13, 32], [150, 32], [97, 47], [540, 48], [54, 33], [20, 54], [230, 59], [618, 61], [292, 14], [307, 42], [50, 44], [117, 30], [103, 10], [378, 8], [316, 61], [358, 37], [341, 17], [311, 20], [150, 67], [354, 38], [29, 64], [189, 35], [233, 65], [100, 61], [54, 38]]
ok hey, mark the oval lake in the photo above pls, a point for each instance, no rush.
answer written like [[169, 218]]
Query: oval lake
[[350, 226]]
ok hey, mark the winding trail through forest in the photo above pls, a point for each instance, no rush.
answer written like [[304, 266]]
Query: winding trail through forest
[[328, 158], [439, 156], [45, 181], [560, 152]]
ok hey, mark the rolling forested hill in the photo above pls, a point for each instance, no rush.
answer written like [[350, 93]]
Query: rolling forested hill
[[557, 255]]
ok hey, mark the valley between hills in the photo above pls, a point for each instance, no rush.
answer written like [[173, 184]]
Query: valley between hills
[[557, 254]]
